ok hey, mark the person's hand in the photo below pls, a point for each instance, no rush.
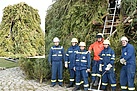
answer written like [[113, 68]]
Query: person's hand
[[88, 70], [108, 67], [123, 61], [74, 69], [66, 65], [89, 51]]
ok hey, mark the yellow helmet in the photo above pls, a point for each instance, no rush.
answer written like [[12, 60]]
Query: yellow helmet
[[99, 35], [106, 42], [74, 40], [82, 44]]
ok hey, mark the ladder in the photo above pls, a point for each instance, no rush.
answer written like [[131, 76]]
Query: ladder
[[109, 23]]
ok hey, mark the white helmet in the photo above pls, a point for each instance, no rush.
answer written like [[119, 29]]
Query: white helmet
[[56, 39], [74, 40], [124, 38], [99, 35], [106, 42], [82, 44]]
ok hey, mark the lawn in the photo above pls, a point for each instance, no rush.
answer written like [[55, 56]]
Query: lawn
[[7, 64]]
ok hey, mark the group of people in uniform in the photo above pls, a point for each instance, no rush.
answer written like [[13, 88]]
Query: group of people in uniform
[[78, 61]]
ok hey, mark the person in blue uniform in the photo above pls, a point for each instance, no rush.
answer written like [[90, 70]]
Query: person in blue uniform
[[82, 66], [107, 57], [128, 61], [56, 57], [69, 60]]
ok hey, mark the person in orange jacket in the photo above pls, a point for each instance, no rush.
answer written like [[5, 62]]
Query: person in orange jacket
[[96, 47]]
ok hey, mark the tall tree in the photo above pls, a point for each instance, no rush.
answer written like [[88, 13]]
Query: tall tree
[[20, 32]]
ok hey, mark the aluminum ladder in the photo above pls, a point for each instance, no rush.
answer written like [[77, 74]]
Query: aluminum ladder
[[109, 23]]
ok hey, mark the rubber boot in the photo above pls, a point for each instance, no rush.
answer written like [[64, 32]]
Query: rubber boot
[[96, 81]]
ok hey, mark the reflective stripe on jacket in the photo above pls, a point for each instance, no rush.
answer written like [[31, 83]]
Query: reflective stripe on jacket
[[82, 60], [56, 54]]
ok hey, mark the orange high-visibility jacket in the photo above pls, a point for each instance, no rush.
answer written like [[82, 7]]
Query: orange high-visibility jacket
[[97, 47]]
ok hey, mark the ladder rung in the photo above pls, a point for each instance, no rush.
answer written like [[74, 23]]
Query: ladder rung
[[111, 14], [106, 33], [111, 8], [108, 26], [109, 20]]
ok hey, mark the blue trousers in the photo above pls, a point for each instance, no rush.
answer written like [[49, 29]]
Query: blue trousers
[[109, 77], [95, 70], [72, 76], [56, 70], [127, 76], [82, 74]]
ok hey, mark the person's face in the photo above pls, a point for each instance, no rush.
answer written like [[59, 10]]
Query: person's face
[[99, 39], [124, 43], [105, 45], [73, 43], [56, 43], [82, 47]]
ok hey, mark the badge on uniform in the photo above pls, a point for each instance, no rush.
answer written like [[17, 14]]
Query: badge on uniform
[[59, 51], [83, 57], [125, 53], [113, 55]]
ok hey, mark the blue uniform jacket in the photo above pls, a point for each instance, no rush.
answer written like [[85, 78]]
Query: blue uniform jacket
[[82, 60], [56, 54], [107, 56], [69, 58], [128, 53]]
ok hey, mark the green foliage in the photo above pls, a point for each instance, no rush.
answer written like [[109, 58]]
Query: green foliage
[[67, 19], [35, 68], [21, 35], [128, 6]]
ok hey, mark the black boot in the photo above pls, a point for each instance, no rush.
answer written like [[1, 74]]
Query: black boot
[[76, 88], [96, 81], [70, 85]]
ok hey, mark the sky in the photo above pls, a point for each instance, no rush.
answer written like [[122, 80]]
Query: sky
[[40, 5]]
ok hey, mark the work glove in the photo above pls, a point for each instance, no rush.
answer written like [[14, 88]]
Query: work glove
[[123, 61], [108, 67], [100, 67], [88, 70], [66, 65]]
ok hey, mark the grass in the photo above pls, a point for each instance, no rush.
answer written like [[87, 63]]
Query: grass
[[7, 64]]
